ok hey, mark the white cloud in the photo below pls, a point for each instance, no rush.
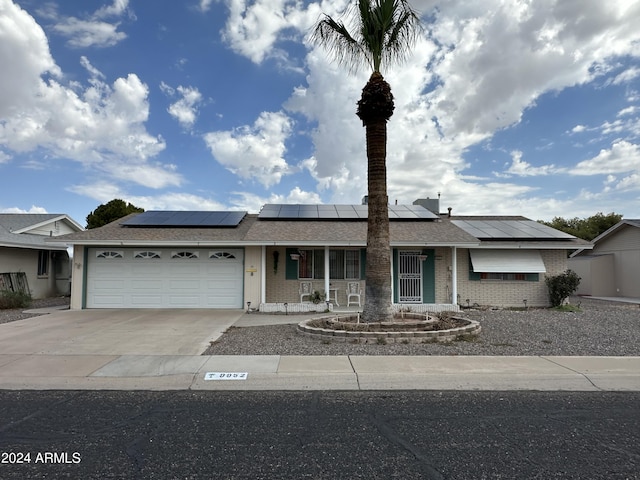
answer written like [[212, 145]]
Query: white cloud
[[185, 110], [93, 31], [521, 168], [93, 71], [92, 125], [205, 5], [254, 152], [487, 63], [621, 157], [4, 157], [33, 209], [628, 111], [627, 76], [89, 33], [254, 27]]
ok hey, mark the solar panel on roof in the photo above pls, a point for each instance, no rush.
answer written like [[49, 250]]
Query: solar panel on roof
[[510, 229], [342, 212], [186, 219]]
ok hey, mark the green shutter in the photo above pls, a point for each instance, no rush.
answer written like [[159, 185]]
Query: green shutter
[[473, 276], [291, 268], [429, 277]]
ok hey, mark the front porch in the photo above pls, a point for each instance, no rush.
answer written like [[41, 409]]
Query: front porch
[[309, 307]]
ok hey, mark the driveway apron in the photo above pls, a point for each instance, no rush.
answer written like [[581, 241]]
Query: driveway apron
[[117, 332]]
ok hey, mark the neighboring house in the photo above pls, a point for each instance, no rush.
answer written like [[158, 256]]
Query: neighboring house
[[25, 247], [612, 268], [228, 259]]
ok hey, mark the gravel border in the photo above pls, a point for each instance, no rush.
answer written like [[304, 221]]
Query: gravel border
[[601, 329], [13, 314]]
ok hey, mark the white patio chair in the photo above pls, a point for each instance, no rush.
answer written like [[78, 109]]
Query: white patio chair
[[305, 290], [353, 290]]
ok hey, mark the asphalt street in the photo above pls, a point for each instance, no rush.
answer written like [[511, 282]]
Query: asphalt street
[[319, 435]]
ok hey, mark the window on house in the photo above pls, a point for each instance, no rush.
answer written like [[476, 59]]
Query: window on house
[[147, 254], [343, 264], [109, 254], [520, 277], [43, 262], [184, 255], [222, 255]]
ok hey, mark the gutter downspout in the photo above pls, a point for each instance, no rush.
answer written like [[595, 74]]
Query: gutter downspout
[[263, 275], [327, 283], [454, 275]]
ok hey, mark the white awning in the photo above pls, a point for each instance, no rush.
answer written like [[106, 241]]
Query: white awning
[[506, 261]]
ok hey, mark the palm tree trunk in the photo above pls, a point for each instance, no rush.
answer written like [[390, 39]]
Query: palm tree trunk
[[374, 109], [377, 305]]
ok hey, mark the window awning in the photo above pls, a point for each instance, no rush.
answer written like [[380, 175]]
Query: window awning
[[506, 261]]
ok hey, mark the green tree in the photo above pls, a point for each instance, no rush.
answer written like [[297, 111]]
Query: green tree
[[585, 228], [381, 31], [111, 212]]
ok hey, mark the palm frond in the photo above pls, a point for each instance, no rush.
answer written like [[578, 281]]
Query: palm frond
[[384, 32]]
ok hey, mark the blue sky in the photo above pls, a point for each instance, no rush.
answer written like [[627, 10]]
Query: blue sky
[[506, 107]]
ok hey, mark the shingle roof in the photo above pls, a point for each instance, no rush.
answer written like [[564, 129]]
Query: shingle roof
[[355, 232], [253, 231], [115, 233], [12, 224]]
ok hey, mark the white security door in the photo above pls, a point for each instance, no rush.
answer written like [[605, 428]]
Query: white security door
[[164, 278], [409, 276]]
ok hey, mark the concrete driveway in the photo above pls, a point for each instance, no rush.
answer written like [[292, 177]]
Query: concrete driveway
[[117, 332]]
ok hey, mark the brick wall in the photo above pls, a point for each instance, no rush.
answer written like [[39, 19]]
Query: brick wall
[[505, 293], [482, 292]]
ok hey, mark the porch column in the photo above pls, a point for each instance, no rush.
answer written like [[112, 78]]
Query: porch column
[[327, 274], [52, 287], [454, 275], [263, 274]]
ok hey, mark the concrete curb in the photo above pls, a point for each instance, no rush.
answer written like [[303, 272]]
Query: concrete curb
[[274, 372]]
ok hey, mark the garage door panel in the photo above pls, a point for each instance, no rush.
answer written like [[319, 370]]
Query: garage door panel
[[146, 301], [109, 284], [202, 282], [107, 301], [184, 284], [182, 269], [148, 269], [183, 301], [146, 284]]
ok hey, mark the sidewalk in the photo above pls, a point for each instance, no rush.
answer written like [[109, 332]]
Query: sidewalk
[[274, 372]]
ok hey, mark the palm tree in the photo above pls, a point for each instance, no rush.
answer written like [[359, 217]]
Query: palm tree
[[384, 31]]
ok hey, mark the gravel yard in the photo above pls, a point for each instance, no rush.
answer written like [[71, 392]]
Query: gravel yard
[[13, 314], [600, 329]]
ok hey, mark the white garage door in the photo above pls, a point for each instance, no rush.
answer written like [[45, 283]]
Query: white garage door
[[164, 278]]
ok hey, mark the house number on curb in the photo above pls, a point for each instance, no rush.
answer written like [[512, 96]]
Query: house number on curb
[[226, 376]]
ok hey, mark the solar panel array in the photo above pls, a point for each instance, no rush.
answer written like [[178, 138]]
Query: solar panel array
[[276, 211], [510, 229], [154, 218]]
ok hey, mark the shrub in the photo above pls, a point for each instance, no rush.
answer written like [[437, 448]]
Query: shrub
[[10, 299], [561, 286]]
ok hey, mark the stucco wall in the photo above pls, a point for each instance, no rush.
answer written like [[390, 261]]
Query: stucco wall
[[596, 274], [624, 245], [252, 275], [26, 260]]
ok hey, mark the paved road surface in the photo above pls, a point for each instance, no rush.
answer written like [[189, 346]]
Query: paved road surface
[[320, 435]]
